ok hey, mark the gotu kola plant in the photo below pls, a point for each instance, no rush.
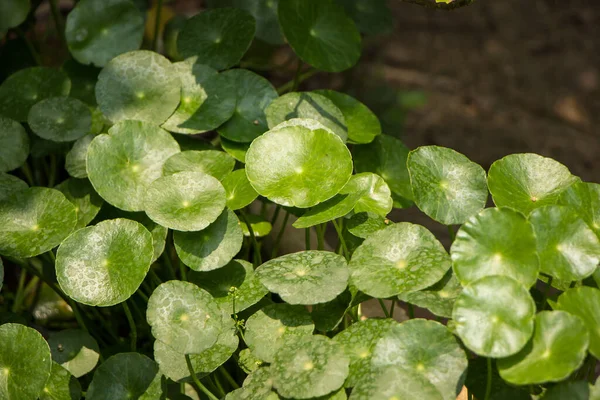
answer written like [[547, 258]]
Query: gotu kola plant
[[140, 271]]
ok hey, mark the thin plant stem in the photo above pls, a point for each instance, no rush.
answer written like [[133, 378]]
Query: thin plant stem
[[218, 385], [19, 295], [27, 172], [304, 76], [307, 238], [451, 233], [157, 24], [280, 235], [384, 308], [183, 272], [321, 236], [132, 326], [228, 377], [296, 82], [58, 21], [142, 295], [203, 388], [275, 214], [257, 256], [411, 311], [488, 388], [392, 308], [340, 234]]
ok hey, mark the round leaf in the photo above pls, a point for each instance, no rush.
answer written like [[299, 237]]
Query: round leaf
[[103, 265], [97, 31], [579, 390], [214, 246], [235, 149], [186, 201], [75, 159], [184, 317], [393, 382], [207, 99], [20, 91], [298, 167], [584, 197], [358, 341], [363, 124], [439, 298], [497, 241], [139, 85], [268, 329], [121, 377], [426, 347], [306, 277], [14, 144], [377, 196], [309, 366], [85, 199], [10, 185], [60, 119], [211, 162], [257, 386], [75, 350], [307, 105], [364, 224], [400, 258], [558, 347], [254, 93], [527, 181], [61, 385], [13, 13], [320, 33], [218, 38], [122, 164], [447, 186], [494, 316], [238, 190], [568, 249], [25, 362], [34, 222], [260, 226], [584, 302]]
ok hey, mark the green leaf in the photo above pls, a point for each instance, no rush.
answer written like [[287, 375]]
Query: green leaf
[[185, 201], [96, 32], [85, 199], [1, 274], [393, 382], [377, 197], [426, 347], [364, 224], [139, 85], [447, 186], [476, 383], [25, 363], [320, 33], [568, 248], [309, 366], [14, 144], [584, 197], [104, 264], [254, 93], [298, 167], [272, 326], [75, 350], [578, 390], [207, 99], [35, 221], [558, 347], [439, 298], [494, 316], [122, 164], [83, 79], [386, 156], [584, 302], [235, 149], [173, 365], [61, 385], [238, 190], [372, 17], [212, 247], [211, 162], [20, 91], [234, 287], [10, 185], [248, 362], [327, 316], [218, 38], [359, 341], [265, 14], [260, 226], [13, 13], [336, 207], [121, 377], [497, 241], [363, 124], [307, 106], [257, 386], [401, 258], [75, 159], [184, 317], [528, 181], [306, 277]]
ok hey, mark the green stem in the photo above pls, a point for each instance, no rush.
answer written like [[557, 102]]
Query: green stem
[[52, 174], [27, 172], [19, 295], [307, 238], [197, 381], [257, 256], [289, 85], [132, 327], [280, 235], [321, 236], [411, 311], [488, 388], [229, 378], [275, 215], [58, 21], [546, 292], [218, 385], [34, 53], [296, 81], [384, 308], [340, 234], [451, 233], [157, 24], [392, 308], [183, 272], [142, 295]]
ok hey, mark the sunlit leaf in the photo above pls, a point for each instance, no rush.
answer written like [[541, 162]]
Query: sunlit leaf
[[75, 159], [238, 190], [584, 197], [364, 224], [75, 350], [212, 162], [61, 385], [394, 382], [85, 199], [439, 298], [14, 144]]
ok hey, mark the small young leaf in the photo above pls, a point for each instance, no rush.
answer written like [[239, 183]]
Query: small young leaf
[[394, 382], [211, 162], [439, 298], [10, 185], [528, 181], [103, 265], [497, 241], [238, 190], [558, 347], [254, 93], [260, 226], [218, 38], [306, 277], [13, 13], [138, 85], [320, 33], [494, 316], [85, 199], [61, 385], [584, 197], [14, 144], [75, 350], [403, 257], [76, 157]]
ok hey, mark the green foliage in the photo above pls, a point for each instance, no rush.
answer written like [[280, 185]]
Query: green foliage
[[145, 220]]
